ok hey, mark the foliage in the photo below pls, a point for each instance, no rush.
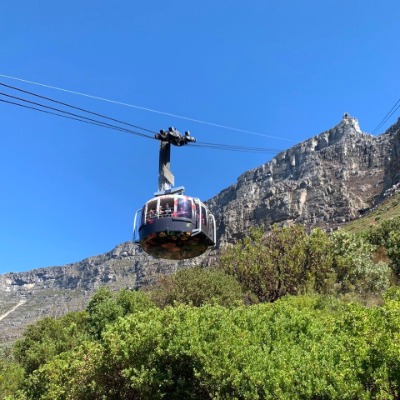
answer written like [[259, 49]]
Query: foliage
[[106, 307], [11, 373], [393, 251], [196, 286], [270, 266], [288, 261], [49, 337], [379, 235], [354, 266], [386, 235], [304, 347], [319, 262]]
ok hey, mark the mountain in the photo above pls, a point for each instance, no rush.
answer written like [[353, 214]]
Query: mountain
[[324, 181], [53, 291]]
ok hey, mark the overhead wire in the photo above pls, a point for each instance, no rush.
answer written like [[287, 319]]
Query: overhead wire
[[76, 108], [33, 105], [199, 121], [99, 123], [76, 116], [387, 116], [245, 149]]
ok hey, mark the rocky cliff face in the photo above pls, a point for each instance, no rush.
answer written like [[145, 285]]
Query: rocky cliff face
[[126, 266], [28, 296], [392, 173], [323, 181]]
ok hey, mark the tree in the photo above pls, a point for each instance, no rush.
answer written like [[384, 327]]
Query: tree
[[197, 286], [288, 261], [106, 307], [280, 262], [11, 373], [49, 337], [353, 264]]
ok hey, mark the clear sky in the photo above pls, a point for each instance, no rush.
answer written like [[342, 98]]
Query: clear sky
[[287, 70]]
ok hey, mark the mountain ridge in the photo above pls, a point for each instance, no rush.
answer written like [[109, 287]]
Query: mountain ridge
[[322, 181]]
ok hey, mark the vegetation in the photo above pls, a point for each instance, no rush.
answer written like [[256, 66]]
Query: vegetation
[[197, 286], [387, 210], [287, 261], [296, 348], [11, 373], [273, 320], [386, 236]]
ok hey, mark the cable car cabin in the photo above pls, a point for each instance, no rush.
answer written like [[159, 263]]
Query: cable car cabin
[[175, 227]]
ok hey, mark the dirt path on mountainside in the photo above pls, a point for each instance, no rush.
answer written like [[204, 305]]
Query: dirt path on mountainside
[[13, 309]]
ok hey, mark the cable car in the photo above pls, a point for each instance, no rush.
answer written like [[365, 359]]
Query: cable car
[[172, 225]]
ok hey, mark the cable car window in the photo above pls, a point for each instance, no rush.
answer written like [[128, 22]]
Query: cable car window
[[142, 218], [151, 210], [211, 226], [184, 209], [197, 211], [203, 216], [166, 207]]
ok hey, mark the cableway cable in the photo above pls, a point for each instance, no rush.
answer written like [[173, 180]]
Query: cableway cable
[[69, 115], [66, 114], [76, 108], [388, 115], [245, 149], [148, 109], [75, 119]]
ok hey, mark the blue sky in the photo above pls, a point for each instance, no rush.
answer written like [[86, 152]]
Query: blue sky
[[285, 69]]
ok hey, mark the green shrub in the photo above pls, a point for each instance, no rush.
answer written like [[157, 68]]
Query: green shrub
[[353, 264], [379, 235], [49, 337], [393, 251], [197, 286], [11, 373], [296, 348], [106, 306], [269, 265]]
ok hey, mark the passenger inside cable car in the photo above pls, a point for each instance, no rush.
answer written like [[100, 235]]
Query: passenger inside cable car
[[172, 225], [184, 209], [182, 228]]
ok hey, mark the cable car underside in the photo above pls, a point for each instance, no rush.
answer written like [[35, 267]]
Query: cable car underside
[[176, 227]]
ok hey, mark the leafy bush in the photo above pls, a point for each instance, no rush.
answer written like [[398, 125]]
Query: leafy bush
[[386, 235], [270, 266], [354, 267], [11, 373], [288, 261], [49, 337], [393, 251], [379, 235], [196, 286], [106, 306], [296, 348]]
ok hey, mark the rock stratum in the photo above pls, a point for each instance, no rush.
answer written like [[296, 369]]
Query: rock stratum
[[324, 181]]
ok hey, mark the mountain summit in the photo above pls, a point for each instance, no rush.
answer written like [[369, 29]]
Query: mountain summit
[[323, 181]]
